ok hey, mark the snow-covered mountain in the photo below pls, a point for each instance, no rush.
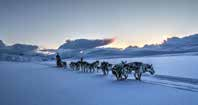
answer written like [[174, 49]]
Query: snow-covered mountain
[[86, 48], [172, 45], [83, 44], [93, 49], [188, 43], [21, 52], [169, 46], [2, 44]]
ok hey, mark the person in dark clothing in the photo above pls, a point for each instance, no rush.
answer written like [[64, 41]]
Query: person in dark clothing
[[81, 59], [58, 60]]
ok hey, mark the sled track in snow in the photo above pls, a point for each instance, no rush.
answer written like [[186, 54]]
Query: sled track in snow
[[177, 79], [182, 83], [174, 85]]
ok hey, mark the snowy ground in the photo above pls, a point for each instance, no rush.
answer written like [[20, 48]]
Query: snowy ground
[[44, 84]]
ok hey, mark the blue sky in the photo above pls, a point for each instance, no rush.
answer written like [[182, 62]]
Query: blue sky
[[49, 23]]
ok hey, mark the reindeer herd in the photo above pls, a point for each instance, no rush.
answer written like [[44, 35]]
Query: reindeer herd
[[120, 71]]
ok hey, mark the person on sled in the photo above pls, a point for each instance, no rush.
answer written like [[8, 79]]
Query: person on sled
[[58, 60]]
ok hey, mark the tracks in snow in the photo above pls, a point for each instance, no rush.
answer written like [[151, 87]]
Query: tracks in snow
[[181, 83]]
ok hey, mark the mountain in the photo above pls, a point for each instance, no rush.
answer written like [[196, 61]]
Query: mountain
[[2, 44], [172, 45], [92, 49], [184, 44], [24, 47], [191, 40], [83, 44], [22, 53]]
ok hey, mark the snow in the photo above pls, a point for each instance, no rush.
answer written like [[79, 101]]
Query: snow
[[44, 84]]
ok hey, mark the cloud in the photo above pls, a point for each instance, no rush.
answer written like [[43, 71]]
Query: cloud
[[83, 44]]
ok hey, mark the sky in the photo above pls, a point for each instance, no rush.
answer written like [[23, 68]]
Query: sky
[[49, 23]]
